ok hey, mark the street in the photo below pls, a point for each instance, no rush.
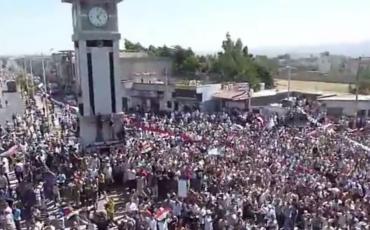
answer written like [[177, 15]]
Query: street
[[15, 105]]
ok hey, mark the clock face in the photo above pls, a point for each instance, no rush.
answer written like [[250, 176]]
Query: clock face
[[98, 16]]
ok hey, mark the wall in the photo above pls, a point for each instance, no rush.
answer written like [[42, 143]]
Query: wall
[[349, 106], [266, 100], [131, 65], [324, 64], [236, 104], [315, 76], [207, 91], [101, 72], [88, 130], [138, 100]]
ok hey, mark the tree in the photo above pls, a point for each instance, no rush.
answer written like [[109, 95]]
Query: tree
[[235, 64], [364, 82], [190, 64], [185, 60], [271, 65], [130, 46]]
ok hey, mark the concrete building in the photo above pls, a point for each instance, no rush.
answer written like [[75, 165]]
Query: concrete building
[[323, 63], [327, 63], [233, 96], [197, 95], [64, 64], [346, 105], [146, 82], [96, 42], [352, 65]]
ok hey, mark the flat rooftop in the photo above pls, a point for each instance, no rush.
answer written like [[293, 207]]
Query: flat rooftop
[[345, 97]]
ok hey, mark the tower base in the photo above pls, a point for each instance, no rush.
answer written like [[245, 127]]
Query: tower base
[[98, 130]]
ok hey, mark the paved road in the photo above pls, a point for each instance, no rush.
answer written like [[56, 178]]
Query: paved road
[[15, 105]]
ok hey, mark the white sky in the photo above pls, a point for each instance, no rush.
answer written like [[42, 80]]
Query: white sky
[[35, 26]]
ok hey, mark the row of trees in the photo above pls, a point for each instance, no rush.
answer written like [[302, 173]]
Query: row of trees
[[185, 60], [233, 64]]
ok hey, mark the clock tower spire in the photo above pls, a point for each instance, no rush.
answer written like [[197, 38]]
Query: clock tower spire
[[96, 41]]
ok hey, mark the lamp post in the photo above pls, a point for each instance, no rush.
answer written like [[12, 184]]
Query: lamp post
[[25, 72], [357, 88], [44, 74], [31, 72], [289, 68]]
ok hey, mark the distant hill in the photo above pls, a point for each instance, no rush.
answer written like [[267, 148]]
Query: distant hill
[[347, 49]]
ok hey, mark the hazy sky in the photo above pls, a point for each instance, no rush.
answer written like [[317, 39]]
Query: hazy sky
[[35, 26]]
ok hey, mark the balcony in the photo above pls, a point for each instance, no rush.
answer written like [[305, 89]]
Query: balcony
[[147, 94], [150, 87]]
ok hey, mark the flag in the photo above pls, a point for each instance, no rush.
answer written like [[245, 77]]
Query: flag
[[162, 213], [260, 120], [147, 147]]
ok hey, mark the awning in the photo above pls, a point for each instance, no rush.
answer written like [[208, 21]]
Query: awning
[[232, 95]]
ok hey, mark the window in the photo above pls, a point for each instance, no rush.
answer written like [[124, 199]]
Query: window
[[368, 113], [124, 103], [255, 111], [81, 108], [361, 113], [169, 104], [334, 111], [199, 97]]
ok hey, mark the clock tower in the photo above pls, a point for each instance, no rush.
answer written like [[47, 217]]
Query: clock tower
[[96, 41]]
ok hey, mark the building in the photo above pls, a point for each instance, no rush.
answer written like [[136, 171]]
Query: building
[[146, 82], [64, 64], [233, 96], [323, 63], [346, 105], [195, 95], [352, 65], [327, 63], [96, 43]]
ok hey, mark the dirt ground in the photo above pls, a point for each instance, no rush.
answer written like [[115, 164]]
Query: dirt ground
[[312, 86]]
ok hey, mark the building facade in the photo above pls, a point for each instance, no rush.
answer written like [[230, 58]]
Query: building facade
[[96, 42], [64, 64], [345, 105], [146, 83]]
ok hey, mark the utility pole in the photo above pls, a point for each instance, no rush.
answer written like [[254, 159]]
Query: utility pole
[[31, 72], [289, 78], [46, 88], [44, 74], [357, 88], [24, 70]]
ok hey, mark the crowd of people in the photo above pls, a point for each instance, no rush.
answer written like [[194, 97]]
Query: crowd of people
[[180, 171]]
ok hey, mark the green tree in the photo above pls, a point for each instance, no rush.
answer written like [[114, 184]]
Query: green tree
[[185, 60], [235, 64], [135, 47], [270, 64], [190, 64], [364, 82]]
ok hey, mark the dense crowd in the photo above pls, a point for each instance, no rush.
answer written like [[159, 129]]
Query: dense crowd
[[181, 171]]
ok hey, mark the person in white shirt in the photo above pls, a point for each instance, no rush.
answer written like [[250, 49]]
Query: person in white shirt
[[162, 224], [208, 221], [108, 173], [19, 168], [5, 165], [151, 222]]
